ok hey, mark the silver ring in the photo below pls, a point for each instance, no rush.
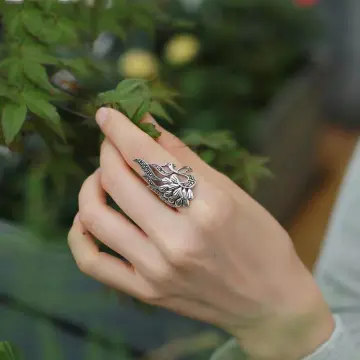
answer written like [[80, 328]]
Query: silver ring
[[174, 187]]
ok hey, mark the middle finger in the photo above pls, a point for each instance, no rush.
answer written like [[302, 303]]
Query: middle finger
[[133, 143], [113, 229]]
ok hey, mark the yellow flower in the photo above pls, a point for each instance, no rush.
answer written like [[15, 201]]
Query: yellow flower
[[182, 49], [138, 63]]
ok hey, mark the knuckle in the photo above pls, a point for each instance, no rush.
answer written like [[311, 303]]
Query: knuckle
[[186, 248], [218, 211], [108, 180], [87, 210], [160, 273], [185, 251], [178, 257], [150, 296], [88, 216], [87, 263]]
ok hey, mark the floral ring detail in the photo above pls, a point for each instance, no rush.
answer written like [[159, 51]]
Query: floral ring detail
[[173, 186]]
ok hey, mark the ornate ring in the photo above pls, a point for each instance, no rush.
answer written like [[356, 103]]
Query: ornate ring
[[173, 186]]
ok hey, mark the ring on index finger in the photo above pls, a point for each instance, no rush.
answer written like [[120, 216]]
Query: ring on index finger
[[173, 186]]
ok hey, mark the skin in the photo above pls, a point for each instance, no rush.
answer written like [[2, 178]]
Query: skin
[[224, 260]]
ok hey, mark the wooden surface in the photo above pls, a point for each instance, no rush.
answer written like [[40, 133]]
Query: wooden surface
[[308, 228]]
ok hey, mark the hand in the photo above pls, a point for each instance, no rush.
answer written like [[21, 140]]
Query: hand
[[224, 260]]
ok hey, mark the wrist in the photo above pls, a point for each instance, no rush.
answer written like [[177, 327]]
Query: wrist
[[296, 329], [288, 339]]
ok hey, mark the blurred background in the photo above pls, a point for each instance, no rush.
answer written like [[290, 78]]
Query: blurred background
[[266, 91]]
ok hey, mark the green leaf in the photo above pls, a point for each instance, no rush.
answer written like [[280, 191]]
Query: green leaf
[[130, 85], [79, 66], [129, 93], [13, 118], [42, 108], [253, 169], [158, 110], [37, 74], [221, 139], [15, 72], [140, 100], [46, 4], [67, 35], [9, 92], [108, 97], [144, 21], [150, 129], [133, 97], [33, 21], [7, 352], [6, 63], [217, 140], [37, 92], [47, 29], [208, 155], [13, 23], [193, 138], [131, 106], [141, 111], [110, 23], [38, 54], [163, 93]]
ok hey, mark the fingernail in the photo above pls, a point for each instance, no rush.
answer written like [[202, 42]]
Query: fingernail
[[102, 115]]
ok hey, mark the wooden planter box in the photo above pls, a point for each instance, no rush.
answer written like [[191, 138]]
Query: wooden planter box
[[288, 134]]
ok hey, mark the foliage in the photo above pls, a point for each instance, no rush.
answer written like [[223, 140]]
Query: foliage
[[52, 84], [34, 31], [220, 149], [246, 51], [41, 38], [7, 352]]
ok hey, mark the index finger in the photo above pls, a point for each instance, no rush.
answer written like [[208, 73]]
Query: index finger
[[134, 144], [131, 141]]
